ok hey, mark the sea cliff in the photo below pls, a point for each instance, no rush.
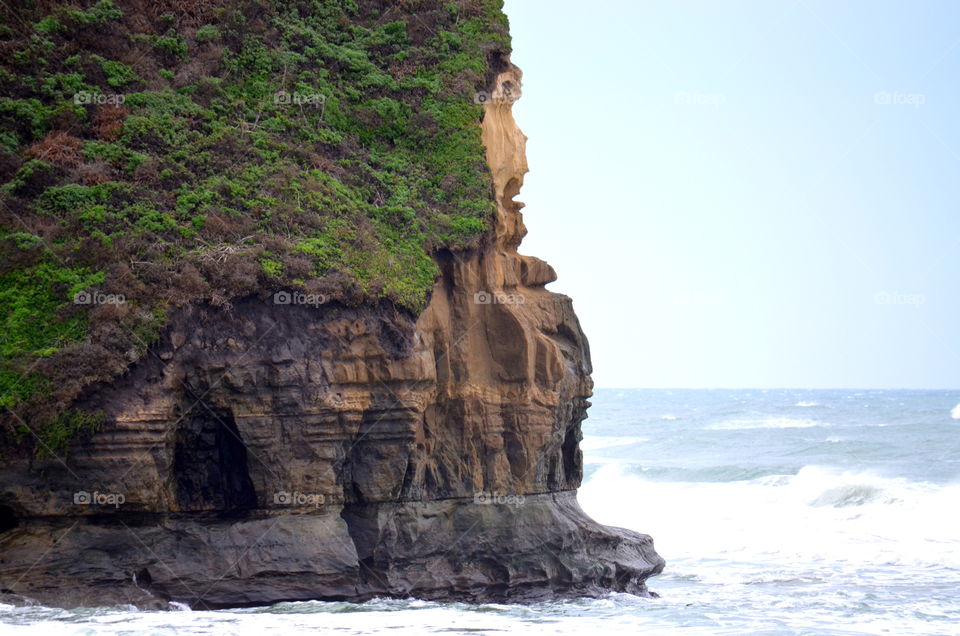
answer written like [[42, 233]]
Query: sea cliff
[[272, 448]]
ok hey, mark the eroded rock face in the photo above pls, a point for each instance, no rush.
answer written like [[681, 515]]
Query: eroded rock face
[[291, 451]]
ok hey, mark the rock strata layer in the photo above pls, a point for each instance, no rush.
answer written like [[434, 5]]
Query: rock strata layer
[[272, 451]]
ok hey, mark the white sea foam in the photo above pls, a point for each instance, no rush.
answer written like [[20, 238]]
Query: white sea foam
[[955, 413], [816, 519], [807, 404], [769, 422], [668, 417]]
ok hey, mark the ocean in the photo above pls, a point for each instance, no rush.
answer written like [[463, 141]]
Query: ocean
[[778, 512]]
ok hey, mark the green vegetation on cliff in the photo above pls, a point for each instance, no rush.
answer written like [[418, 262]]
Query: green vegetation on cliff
[[173, 151]]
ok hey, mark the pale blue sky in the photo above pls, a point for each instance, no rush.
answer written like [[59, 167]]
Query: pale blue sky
[[728, 199]]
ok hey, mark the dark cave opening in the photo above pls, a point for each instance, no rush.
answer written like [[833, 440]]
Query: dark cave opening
[[362, 527], [8, 519], [210, 464]]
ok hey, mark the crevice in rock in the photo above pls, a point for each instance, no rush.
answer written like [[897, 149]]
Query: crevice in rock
[[497, 63], [516, 453], [409, 488], [572, 457]]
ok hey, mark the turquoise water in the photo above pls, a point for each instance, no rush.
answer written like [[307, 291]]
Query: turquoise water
[[779, 512]]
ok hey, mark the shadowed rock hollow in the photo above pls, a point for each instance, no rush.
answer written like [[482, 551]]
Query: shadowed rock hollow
[[272, 452]]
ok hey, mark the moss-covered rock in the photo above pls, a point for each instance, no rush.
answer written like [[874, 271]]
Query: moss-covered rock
[[184, 151]]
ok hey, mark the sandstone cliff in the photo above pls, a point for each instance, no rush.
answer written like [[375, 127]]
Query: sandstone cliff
[[272, 452]]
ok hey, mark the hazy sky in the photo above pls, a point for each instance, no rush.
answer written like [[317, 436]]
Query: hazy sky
[[748, 194]]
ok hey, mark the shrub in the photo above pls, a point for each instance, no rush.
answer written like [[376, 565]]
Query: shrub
[[108, 121], [207, 33], [57, 147], [100, 13], [118, 73], [171, 45], [32, 304]]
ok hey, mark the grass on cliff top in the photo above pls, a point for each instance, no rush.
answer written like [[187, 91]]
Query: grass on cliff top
[[177, 151]]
